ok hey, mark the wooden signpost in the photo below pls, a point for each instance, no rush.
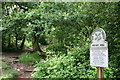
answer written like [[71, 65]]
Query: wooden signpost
[[99, 51]]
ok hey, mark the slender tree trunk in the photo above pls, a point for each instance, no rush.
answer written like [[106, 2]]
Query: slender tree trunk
[[16, 41], [22, 44], [9, 41], [36, 45]]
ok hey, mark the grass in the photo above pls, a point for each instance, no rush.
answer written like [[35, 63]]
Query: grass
[[29, 57]]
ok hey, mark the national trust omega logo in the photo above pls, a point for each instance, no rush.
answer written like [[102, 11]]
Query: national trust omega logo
[[98, 35]]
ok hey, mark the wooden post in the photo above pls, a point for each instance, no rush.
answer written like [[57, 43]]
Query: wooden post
[[100, 73], [99, 52]]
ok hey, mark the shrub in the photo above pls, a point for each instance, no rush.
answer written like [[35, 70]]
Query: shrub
[[62, 67], [57, 48], [9, 74], [5, 65], [73, 65], [29, 57], [28, 44], [2, 59]]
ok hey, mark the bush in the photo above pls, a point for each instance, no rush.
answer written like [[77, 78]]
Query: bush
[[1, 59], [114, 64], [73, 65], [28, 44], [57, 48], [9, 74], [30, 57], [5, 65], [62, 67]]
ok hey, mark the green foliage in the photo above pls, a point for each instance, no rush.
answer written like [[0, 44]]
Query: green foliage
[[9, 75], [9, 72], [29, 57], [58, 67], [114, 64], [73, 65], [109, 73], [2, 59], [58, 49], [5, 65], [28, 44], [66, 28]]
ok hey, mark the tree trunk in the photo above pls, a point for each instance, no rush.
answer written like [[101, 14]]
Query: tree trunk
[[36, 45], [9, 42], [16, 41], [22, 44]]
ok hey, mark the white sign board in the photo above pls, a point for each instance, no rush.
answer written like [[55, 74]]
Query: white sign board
[[99, 49]]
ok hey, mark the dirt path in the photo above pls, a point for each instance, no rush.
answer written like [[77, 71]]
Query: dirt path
[[24, 71]]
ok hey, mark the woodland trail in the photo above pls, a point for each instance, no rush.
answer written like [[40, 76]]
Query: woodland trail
[[24, 71]]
